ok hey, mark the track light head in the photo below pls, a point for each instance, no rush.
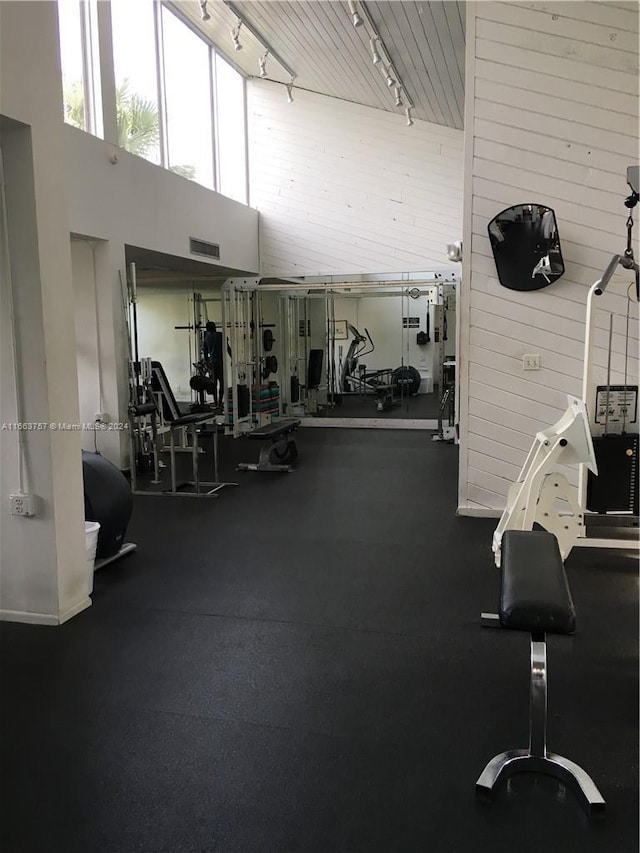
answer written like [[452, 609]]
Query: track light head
[[262, 62], [454, 251], [289, 87], [203, 10], [355, 17], [235, 35], [407, 112], [375, 56], [390, 81], [396, 92]]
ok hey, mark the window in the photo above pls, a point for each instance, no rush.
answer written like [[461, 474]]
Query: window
[[81, 92], [136, 75], [187, 81], [167, 80], [71, 54], [231, 138]]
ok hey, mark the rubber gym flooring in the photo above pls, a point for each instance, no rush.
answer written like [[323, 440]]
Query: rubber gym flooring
[[298, 667]]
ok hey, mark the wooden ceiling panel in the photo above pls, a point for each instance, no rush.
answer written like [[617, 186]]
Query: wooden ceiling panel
[[316, 39]]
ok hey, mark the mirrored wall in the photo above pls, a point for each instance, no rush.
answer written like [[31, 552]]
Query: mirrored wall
[[379, 352]]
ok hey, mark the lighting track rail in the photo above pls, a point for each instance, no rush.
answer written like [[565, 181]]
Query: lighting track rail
[[380, 55], [249, 27]]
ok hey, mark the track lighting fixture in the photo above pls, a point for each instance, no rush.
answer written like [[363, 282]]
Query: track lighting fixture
[[203, 10], [247, 27], [289, 87], [355, 17], [235, 35], [380, 56]]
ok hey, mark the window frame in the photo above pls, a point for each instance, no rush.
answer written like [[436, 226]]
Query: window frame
[[91, 83]]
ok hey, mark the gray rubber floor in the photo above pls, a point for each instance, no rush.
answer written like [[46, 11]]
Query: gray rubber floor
[[298, 667]]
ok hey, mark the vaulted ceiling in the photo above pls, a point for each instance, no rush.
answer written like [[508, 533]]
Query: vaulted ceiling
[[316, 41]]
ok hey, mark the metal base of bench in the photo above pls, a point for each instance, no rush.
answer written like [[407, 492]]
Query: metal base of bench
[[280, 453], [536, 759], [284, 449]]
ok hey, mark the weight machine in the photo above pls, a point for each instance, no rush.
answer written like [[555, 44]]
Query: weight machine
[[542, 495]]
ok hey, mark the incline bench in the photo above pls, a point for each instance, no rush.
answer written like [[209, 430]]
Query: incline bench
[[535, 597], [175, 421], [281, 451]]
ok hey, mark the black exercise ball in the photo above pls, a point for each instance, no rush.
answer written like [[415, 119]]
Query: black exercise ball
[[107, 500]]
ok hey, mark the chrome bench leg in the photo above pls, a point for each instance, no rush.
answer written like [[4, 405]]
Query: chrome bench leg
[[536, 759]]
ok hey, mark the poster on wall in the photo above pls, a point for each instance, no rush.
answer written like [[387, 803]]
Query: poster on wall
[[338, 329]]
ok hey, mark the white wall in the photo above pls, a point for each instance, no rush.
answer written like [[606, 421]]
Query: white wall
[[552, 117], [95, 347], [145, 205], [43, 575], [343, 188]]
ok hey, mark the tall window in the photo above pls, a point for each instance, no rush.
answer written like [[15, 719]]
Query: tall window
[[231, 132], [167, 81], [187, 81], [71, 54], [81, 93], [136, 74]]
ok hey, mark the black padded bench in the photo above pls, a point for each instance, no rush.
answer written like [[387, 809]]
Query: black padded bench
[[535, 597], [281, 451]]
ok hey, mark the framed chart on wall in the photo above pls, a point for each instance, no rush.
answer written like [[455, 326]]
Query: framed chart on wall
[[339, 330]]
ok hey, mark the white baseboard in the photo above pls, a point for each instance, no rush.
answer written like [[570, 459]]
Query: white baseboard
[[478, 512], [371, 423], [44, 618], [77, 608]]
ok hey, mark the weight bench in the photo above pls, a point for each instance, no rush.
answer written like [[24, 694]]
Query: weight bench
[[281, 451], [535, 597], [175, 421]]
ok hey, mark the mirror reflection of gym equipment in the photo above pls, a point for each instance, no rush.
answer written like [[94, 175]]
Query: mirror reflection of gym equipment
[[365, 350], [380, 351]]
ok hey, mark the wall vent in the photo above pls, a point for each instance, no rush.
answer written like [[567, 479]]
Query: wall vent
[[200, 247]]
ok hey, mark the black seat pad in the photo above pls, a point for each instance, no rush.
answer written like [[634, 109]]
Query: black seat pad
[[275, 429], [535, 595]]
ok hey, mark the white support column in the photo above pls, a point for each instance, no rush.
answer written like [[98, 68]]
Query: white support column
[[43, 566]]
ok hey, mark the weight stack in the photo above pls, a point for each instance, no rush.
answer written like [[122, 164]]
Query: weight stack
[[266, 399], [265, 402], [615, 489]]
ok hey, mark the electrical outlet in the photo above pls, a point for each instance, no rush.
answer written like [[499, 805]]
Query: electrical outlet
[[102, 418], [22, 504], [531, 362]]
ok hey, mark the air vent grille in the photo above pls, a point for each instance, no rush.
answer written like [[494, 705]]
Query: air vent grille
[[201, 247]]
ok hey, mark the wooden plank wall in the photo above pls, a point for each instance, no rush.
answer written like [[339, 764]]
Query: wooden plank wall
[[343, 188], [551, 117]]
